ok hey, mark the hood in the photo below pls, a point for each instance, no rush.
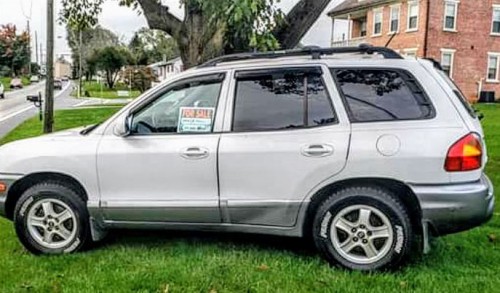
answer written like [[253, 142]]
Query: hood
[[45, 151], [65, 133]]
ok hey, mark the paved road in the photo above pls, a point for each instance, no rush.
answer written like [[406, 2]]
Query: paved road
[[15, 109]]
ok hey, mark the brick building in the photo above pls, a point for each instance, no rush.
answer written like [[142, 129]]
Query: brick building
[[463, 35]]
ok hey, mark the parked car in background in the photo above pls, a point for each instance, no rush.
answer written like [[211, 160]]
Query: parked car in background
[[365, 152], [2, 91], [34, 79], [65, 78], [58, 84], [16, 83]]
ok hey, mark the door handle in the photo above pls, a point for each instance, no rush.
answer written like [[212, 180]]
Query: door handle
[[317, 150], [195, 153]]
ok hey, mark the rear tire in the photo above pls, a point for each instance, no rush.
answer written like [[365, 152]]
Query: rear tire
[[51, 218], [363, 228]]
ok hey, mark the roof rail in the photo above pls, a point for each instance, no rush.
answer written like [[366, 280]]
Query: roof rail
[[436, 64], [314, 52]]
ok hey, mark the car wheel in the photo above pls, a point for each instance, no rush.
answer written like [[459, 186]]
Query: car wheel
[[363, 228], [2, 96], [51, 218]]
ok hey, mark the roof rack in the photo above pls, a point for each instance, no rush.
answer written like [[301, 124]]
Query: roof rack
[[314, 52]]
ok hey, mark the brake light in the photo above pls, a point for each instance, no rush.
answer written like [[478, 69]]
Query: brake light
[[465, 155]]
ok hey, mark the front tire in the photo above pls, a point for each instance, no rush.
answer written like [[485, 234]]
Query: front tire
[[363, 228], [51, 218]]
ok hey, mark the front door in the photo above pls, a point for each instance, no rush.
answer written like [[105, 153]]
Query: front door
[[166, 169], [286, 137]]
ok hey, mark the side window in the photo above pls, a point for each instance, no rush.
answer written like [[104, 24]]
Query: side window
[[281, 100], [382, 95], [186, 107]]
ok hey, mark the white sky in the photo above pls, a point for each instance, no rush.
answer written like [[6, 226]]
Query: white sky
[[124, 21]]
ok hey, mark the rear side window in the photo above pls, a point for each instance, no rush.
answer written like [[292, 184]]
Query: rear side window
[[373, 95], [281, 100], [458, 93]]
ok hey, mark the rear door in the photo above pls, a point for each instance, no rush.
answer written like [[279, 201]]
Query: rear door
[[283, 137]]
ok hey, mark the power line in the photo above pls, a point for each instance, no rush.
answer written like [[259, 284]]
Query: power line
[[27, 16]]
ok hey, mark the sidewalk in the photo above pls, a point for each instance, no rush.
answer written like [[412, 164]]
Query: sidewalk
[[90, 102]]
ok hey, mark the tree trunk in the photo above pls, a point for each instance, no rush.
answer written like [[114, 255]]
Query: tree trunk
[[110, 80], [200, 41], [298, 22]]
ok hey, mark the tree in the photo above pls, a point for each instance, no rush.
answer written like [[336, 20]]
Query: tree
[[149, 46], [80, 16], [93, 39], [213, 28], [35, 68], [111, 60], [139, 77], [14, 48]]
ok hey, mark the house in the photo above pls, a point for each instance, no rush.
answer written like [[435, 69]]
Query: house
[[463, 35], [167, 69], [62, 68]]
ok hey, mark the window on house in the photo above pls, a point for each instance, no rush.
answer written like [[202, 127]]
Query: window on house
[[395, 12], [450, 15], [447, 57], [373, 95], [281, 100], [377, 22], [493, 67], [496, 20], [411, 52], [412, 16], [363, 28]]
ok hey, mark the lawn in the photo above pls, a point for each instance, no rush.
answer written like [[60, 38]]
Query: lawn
[[6, 82], [95, 90], [196, 262]]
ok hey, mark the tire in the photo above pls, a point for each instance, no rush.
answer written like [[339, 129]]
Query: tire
[[381, 239], [2, 96], [51, 218]]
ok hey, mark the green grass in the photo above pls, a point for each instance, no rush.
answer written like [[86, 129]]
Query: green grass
[[94, 90], [65, 119], [6, 82], [196, 262]]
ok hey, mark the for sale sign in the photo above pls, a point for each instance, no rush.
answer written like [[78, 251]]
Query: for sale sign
[[192, 119]]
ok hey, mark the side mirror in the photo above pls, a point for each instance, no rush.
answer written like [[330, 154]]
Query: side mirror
[[124, 127]]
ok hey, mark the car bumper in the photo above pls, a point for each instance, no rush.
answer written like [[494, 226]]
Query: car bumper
[[8, 180], [456, 207]]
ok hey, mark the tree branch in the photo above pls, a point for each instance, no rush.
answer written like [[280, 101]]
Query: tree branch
[[160, 18], [298, 22]]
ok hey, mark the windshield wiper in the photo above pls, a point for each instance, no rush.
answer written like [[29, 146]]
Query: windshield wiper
[[90, 129]]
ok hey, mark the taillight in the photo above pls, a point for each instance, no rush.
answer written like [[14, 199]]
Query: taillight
[[465, 155]]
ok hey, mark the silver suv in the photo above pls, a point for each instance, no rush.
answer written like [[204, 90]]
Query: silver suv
[[366, 152]]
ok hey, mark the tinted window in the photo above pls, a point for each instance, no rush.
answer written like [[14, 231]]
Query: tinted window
[[280, 101], [382, 95], [187, 107]]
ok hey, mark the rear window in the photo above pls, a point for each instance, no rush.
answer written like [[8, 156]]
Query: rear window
[[373, 95], [458, 93]]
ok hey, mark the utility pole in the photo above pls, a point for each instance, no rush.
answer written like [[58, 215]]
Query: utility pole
[[49, 85], [36, 47], [29, 48], [80, 64]]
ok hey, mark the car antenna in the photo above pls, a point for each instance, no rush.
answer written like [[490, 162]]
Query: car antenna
[[390, 40]]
